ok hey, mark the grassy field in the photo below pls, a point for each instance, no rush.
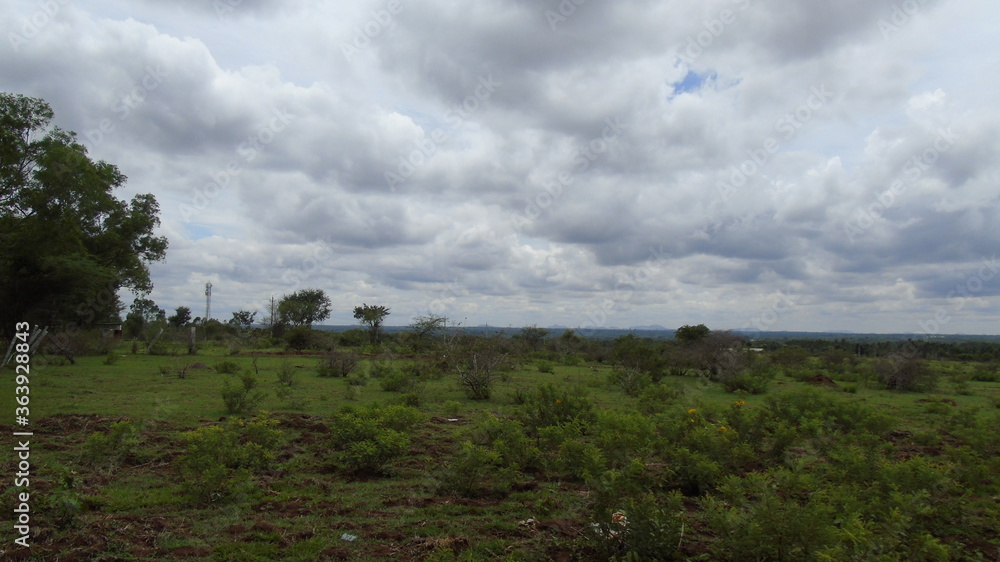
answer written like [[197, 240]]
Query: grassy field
[[683, 470]]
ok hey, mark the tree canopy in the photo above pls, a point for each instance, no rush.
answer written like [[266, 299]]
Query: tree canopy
[[691, 334], [372, 316], [67, 244], [304, 307]]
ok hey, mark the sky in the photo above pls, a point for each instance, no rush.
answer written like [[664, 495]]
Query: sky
[[746, 164]]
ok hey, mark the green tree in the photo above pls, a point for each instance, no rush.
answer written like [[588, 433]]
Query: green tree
[[427, 326], [304, 307], [372, 316], [142, 313], [692, 334], [67, 245], [181, 317], [242, 320], [532, 335]]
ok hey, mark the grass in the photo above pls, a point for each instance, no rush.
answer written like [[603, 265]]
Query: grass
[[300, 508]]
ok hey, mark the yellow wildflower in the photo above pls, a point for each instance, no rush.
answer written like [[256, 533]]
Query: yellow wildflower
[[692, 410], [558, 401], [740, 403], [723, 428]]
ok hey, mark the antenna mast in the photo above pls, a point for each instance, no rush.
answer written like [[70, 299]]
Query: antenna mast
[[208, 301]]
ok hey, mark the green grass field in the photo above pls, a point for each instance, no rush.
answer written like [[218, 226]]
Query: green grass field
[[699, 474]]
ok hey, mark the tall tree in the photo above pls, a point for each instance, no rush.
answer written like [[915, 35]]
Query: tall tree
[[242, 320], [181, 317], [67, 244], [372, 316], [304, 307]]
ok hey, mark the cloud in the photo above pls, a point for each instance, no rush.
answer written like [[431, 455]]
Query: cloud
[[521, 162]]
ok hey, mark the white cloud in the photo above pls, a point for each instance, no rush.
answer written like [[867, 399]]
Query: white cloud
[[268, 149]]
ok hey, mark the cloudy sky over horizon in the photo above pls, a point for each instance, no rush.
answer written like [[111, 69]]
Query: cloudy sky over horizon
[[827, 165]]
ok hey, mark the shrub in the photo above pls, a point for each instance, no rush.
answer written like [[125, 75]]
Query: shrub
[[220, 460], [242, 398], [632, 381], [111, 448], [753, 383], [552, 405], [368, 439], [286, 375], [546, 367], [111, 358], [379, 369], [655, 398], [770, 517], [647, 528], [300, 338], [395, 381], [508, 438], [907, 374], [476, 471], [482, 363], [421, 370], [227, 367], [452, 408], [357, 379], [337, 364]]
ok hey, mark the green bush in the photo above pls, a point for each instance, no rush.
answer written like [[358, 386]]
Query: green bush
[[219, 461], [647, 528], [112, 448], [242, 398], [753, 383], [632, 381], [476, 471], [657, 397], [508, 438], [395, 380], [357, 379], [286, 375], [379, 369], [546, 367], [551, 405], [337, 364], [772, 516], [367, 440], [300, 338], [227, 367]]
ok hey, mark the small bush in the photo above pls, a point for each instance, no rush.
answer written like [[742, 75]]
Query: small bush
[[552, 405], [227, 367], [337, 364], [111, 358], [656, 398], [220, 460], [379, 369], [476, 471], [452, 408], [422, 370], [907, 374], [357, 379], [300, 338], [753, 383], [242, 398], [112, 448], [546, 367], [286, 375], [368, 439], [395, 380], [631, 381]]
